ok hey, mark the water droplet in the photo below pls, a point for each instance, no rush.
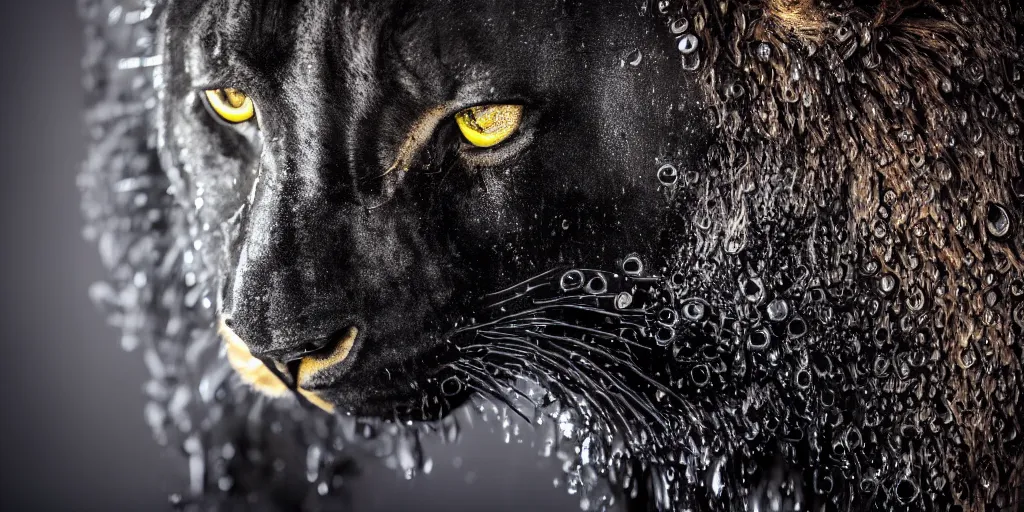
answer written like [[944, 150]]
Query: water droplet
[[687, 44], [572, 280], [694, 310], [906, 491], [758, 339], [668, 175], [664, 335], [634, 58], [679, 26], [997, 220], [887, 283], [596, 285], [632, 266], [700, 376], [778, 310], [668, 317]]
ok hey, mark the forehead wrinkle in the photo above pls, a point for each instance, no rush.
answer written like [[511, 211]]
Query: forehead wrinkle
[[312, 40], [413, 43], [254, 33], [360, 29]]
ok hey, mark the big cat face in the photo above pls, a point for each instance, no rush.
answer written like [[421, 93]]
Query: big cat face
[[750, 255], [367, 201]]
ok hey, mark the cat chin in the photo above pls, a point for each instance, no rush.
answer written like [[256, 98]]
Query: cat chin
[[401, 405]]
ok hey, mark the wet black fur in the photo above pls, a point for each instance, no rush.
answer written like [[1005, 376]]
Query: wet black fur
[[798, 332], [331, 239]]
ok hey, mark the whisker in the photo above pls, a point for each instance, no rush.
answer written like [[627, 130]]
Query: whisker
[[495, 383], [515, 297], [661, 387], [513, 287], [484, 387], [539, 321], [523, 348], [577, 297], [625, 391], [594, 332], [516, 352]]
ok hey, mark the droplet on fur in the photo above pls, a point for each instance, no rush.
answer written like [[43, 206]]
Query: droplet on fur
[[687, 44], [887, 283], [632, 266], [694, 310], [997, 220], [668, 175], [679, 26], [778, 310], [623, 300], [634, 58], [572, 280], [906, 491], [758, 339], [596, 285]]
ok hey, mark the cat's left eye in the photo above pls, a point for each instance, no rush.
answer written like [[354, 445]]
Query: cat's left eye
[[231, 105], [489, 125]]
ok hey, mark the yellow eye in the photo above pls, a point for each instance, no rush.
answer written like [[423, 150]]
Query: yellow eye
[[488, 125], [231, 105]]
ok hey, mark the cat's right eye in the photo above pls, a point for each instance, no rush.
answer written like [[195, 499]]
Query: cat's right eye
[[489, 125], [231, 105]]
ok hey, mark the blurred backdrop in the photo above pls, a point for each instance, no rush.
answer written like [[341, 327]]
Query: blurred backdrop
[[73, 435]]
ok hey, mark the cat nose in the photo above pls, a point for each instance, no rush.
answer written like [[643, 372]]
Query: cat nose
[[300, 342], [294, 350]]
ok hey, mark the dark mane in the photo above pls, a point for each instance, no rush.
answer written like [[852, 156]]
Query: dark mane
[[847, 279], [908, 114]]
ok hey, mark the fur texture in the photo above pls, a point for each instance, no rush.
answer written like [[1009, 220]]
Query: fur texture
[[767, 254]]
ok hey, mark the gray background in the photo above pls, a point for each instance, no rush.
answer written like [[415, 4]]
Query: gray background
[[73, 436]]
